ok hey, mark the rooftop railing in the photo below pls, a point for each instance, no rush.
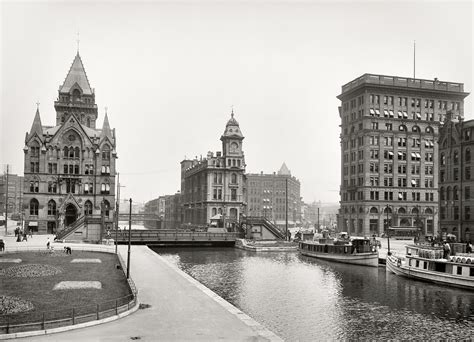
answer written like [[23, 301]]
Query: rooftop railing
[[403, 82]]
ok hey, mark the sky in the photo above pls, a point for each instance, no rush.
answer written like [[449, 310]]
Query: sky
[[171, 72]]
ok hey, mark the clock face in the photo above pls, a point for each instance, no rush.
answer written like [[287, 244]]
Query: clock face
[[234, 146]]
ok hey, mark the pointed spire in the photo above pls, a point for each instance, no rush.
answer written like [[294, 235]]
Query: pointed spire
[[284, 170], [36, 127], [76, 76], [106, 127]]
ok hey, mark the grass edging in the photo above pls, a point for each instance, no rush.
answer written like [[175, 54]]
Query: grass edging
[[92, 248]]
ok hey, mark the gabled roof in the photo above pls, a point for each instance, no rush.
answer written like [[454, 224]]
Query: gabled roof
[[284, 170], [76, 75], [36, 127]]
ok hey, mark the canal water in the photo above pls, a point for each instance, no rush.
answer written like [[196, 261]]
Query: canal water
[[303, 299]]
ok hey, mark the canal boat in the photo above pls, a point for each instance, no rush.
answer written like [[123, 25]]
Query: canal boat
[[427, 263], [355, 250]]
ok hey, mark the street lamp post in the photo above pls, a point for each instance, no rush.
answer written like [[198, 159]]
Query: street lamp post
[[388, 229], [129, 238]]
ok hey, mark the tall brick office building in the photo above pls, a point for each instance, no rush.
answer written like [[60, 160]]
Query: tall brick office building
[[69, 167], [389, 151]]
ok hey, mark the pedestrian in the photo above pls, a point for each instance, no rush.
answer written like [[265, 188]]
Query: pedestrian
[[25, 237], [469, 247], [446, 250], [30, 232], [18, 237], [48, 244], [68, 250], [2, 245], [17, 229]]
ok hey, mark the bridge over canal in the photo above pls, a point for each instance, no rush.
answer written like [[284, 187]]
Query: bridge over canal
[[165, 237]]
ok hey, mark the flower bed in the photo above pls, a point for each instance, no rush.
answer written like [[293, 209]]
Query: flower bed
[[30, 271], [12, 305]]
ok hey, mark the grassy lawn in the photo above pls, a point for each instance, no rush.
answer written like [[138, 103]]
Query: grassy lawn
[[39, 290]]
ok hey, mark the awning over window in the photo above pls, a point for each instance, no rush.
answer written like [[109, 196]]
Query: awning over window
[[413, 182], [33, 224], [413, 154], [405, 114], [372, 111], [418, 155], [390, 153], [400, 114]]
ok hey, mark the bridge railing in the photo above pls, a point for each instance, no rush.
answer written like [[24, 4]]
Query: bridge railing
[[158, 235]]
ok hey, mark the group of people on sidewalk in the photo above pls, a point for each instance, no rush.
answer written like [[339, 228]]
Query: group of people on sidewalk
[[22, 235]]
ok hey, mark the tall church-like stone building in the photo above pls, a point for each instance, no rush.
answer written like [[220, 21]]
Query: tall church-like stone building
[[70, 167]]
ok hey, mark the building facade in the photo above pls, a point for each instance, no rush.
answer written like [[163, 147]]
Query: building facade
[[214, 185], [389, 151], [172, 215], [456, 185], [267, 197], [15, 193], [69, 168]]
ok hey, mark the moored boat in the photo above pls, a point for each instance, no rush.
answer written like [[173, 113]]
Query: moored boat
[[357, 250], [428, 263]]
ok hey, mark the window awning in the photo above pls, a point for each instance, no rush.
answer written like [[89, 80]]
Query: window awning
[[431, 144], [391, 113], [400, 196], [413, 182], [372, 111], [405, 114], [390, 153], [385, 112], [400, 154], [377, 112], [400, 114], [427, 143], [413, 155], [33, 223], [418, 155], [418, 115]]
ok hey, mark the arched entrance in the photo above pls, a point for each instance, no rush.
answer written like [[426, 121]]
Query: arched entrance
[[70, 215]]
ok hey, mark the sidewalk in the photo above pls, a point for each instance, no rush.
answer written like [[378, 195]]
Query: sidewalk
[[181, 309]]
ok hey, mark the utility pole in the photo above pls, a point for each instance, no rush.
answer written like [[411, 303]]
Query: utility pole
[[6, 206], [129, 238], [286, 209], [388, 230], [117, 211], [318, 219]]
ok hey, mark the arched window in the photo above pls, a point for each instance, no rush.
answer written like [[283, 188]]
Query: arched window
[[66, 152], [402, 128], [51, 207], [88, 208], [448, 193], [415, 129], [106, 208], [443, 159], [441, 194], [88, 122], [456, 157], [106, 152], [373, 210], [387, 210], [415, 211], [77, 153], [429, 129], [219, 211], [234, 178], [214, 211], [428, 211], [34, 186], [361, 210], [34, 206], [402, 211], [76, 95], [467, 156], [455, 193]]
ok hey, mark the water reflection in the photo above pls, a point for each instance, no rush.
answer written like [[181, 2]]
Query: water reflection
[[300, 298]]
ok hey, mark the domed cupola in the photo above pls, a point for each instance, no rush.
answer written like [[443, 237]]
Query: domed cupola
[[232, 128]]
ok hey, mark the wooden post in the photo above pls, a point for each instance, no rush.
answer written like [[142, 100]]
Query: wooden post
[[8, 324], [72, 316], [42, 323], [116, 306], [97, 311]]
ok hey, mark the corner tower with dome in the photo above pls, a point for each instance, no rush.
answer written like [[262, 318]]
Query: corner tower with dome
[[213, 187], [69, 167]]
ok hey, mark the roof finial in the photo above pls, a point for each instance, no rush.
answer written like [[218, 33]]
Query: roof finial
[[37, 105], [106, 110], [232, 113], [78, 41]]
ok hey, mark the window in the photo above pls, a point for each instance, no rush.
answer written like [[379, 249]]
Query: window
[[374, 140], [388, 141], [416, 129], [402, 128], [429, 170], [233, 194], [443, 159], [34, 186], [388, 126], [374, 154], [467, 173], [388, 195], [456, 213], [374, 167], [388, 168], [402, 182], [467, 157], [34, 167], [415, 183], [456, 157], [455, 194], [387, 154], [429, 157], [105, 188], [415, 196], [402, 196], [456, 174], [374, 195], [51, 207], [52, 187], [234, 178], [88, 188], [467, 213], [375, 125], [106, 153], [402, 169], [388, 181], [402, 142], [429, 183], [34, 207], [374, 181], [467, 192], [106, 208]]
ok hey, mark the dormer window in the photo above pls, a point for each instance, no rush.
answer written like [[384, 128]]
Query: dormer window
[[106, 153], [76, 95]]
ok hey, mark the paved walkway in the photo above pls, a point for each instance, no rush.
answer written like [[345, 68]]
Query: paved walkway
[[181, 308]]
